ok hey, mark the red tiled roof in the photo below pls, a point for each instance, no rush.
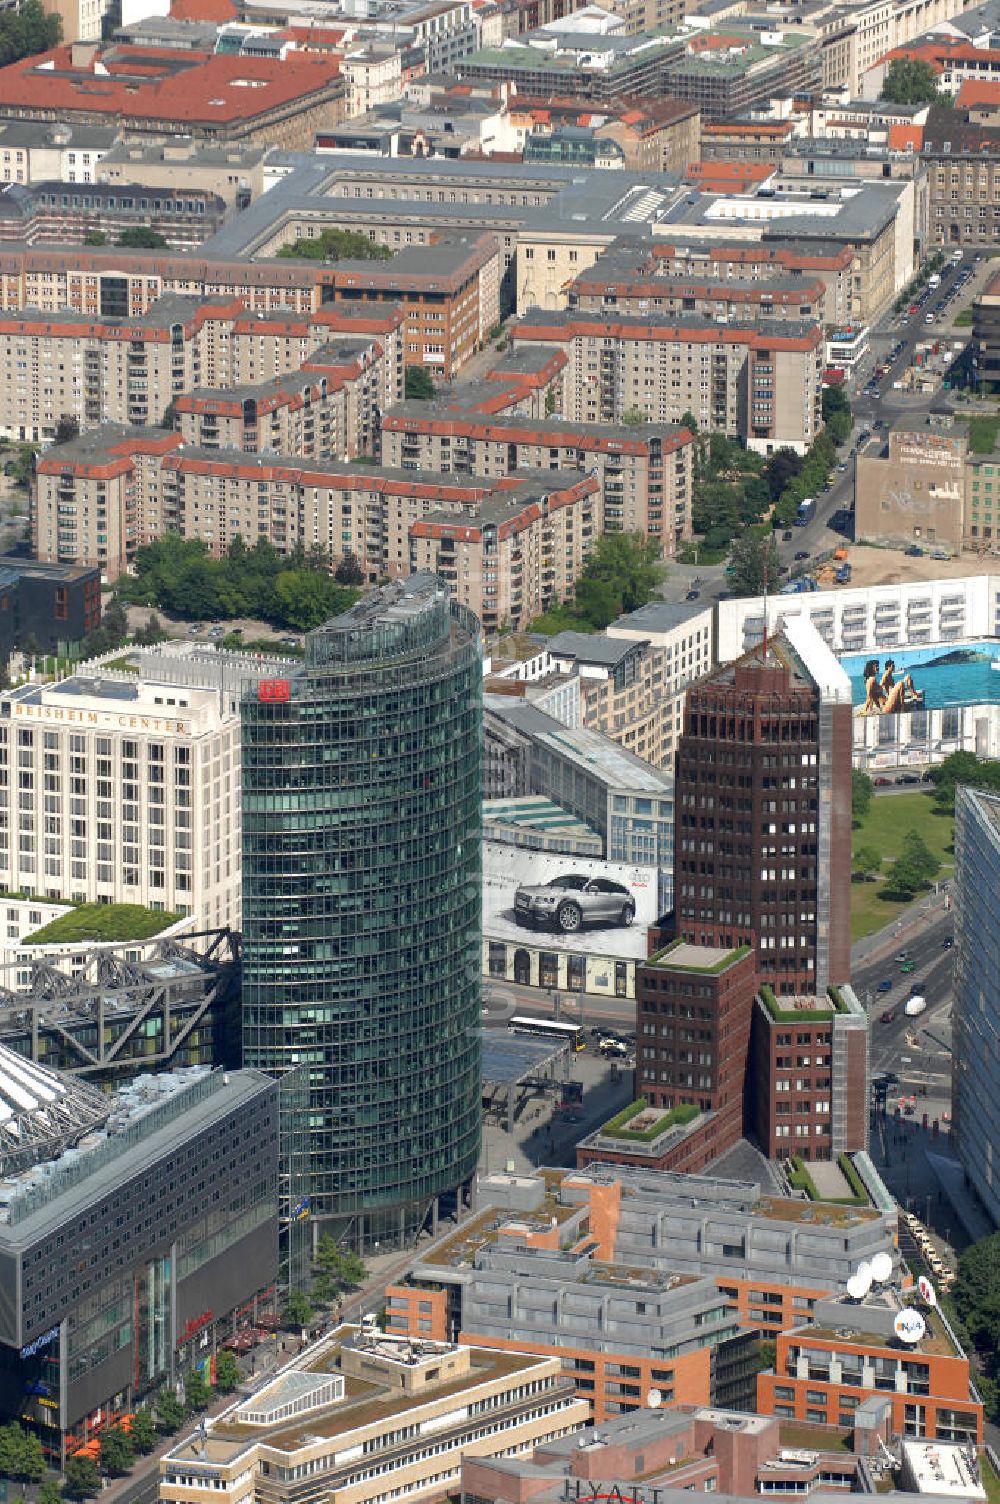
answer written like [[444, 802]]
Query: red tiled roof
[[978, 91], [203, 10], [188, 87]]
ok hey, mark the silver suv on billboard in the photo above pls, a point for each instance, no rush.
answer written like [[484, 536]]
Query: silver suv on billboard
[[568, 903]]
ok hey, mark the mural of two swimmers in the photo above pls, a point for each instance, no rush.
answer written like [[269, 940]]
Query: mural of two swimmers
[[885, 694]]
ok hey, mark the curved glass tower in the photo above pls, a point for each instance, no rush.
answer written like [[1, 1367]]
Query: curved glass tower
[[361, 902]]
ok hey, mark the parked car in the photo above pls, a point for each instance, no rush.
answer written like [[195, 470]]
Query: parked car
[[885, 985], [903, 955], [803, 553], [947, 942], [786, 536], [883, 783], [908, 778], [692, 595], [570, 901], [914, 551], [908, 966], [888, 1017]]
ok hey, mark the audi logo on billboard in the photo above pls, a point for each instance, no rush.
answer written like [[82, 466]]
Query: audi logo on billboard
[[273, 691]]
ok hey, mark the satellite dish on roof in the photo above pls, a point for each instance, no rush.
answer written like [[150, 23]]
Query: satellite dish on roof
[[909, 1326], [881, 1267], [860, 1282], [654, 1399]]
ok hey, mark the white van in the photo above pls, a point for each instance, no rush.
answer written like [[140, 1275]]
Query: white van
[[914, 1006]]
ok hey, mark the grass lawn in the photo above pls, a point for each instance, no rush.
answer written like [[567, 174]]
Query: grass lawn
[[991, 1482], [103, 921], [983, 434], [885, 827]]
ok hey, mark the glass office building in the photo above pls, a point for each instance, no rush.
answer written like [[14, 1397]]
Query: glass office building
[[361, 892], [975, 1060]]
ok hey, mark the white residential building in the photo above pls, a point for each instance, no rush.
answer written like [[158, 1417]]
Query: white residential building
[[124, 787]]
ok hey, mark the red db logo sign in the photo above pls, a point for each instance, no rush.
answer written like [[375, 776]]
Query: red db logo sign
[[273, 691]]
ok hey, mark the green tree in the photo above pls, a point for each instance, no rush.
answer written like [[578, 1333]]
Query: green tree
[[298, 1309], [837, 414], [755, 561], [49, 1492], [904, 880], [95, 237], [23, 467], [867, 861], [634, 417], [227, 1371], [689, 421], [303, 598], [962, 768], [337, 1269], [550, 403], [142, 238], [152, 633], [117, 1451], [862, 793], [169, 419], [910, 81], [767, 1354], [197, 1390], [27, 31], [916, 851], [348, 571], [337, 245], [418, 385], [21, 1453], [170, 1410], [143, 1430], [782, 468], [82, 1479]]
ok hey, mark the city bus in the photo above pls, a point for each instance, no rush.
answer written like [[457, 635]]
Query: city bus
[[549, 1028]]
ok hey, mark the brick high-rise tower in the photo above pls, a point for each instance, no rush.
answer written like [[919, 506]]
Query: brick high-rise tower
[[763, 811]]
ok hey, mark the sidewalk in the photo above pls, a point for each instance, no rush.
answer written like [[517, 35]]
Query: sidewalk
[[884, 941]]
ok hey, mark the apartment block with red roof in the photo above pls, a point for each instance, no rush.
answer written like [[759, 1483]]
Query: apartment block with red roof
[[631, 279], [757, 382], [150, 93], [509, 559], [104, 494], [450, 291], [645, 474], [129, 370]]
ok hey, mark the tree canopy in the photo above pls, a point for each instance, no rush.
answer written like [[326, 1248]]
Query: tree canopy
[[336, 245], [976, 1296], [142, 238], [914, 869], [754, 561], [962, 767], [837, 413], [621, 574], [910, 81], [20, 1453], [27, 30], [294, 590], [862, 793], [418, 385], [82, 1477]]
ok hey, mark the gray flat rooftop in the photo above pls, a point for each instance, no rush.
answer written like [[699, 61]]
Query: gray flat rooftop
[[510, 1058]]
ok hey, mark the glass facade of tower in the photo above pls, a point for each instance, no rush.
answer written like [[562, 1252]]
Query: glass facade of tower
[[361, 902]]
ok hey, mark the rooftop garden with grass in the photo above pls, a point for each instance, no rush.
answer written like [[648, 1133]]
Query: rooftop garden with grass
[[641, 1124], [103, 921]]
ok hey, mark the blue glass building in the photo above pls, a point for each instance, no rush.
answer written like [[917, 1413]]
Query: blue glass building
[[361, 903]]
